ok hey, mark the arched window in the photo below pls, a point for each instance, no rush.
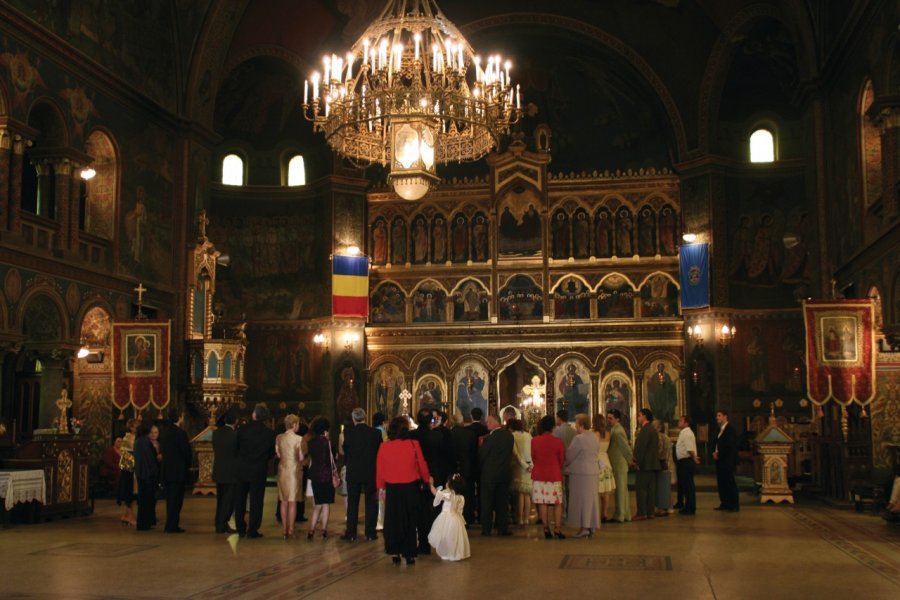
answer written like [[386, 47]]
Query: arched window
[[97, 200], [870, 147], [233, 170], [762, 146], [296, 171]]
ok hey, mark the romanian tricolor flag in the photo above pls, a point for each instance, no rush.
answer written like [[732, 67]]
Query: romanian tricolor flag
[[350, 286]]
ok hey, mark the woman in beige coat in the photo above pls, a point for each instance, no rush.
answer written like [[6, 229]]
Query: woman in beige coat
[[583, 471]]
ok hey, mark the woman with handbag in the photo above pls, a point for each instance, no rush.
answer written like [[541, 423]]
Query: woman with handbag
[[125, 490], [322, 475], [400, 471]]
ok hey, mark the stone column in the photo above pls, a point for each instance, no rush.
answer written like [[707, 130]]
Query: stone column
[[62, 174]]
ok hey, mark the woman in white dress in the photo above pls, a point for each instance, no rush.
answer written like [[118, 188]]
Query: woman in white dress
[[521, 482], [607, 484], [448, 534]]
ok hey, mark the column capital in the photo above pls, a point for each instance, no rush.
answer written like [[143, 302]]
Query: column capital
[[15, 135]]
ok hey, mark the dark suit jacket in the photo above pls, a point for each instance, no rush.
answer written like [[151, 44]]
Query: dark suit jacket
[[176, 453], [465, 449], [495, 456], [224, 441], [478, 428], [646, 449], [437, 448], [145, 465], [727, 445], [255, 448], [361, 444]]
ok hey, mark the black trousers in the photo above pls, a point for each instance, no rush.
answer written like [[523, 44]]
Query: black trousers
[[354, 489], [727, 484], [174, 502], [645, 491], [401, 513], [687, 492], [494, 506], [225, 493], [146, 504], [256, 491], [426, 518]]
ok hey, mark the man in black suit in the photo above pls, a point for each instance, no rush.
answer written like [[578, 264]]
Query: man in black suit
[[494, 461], [646, 459], [725, 454], [224, 442], [175, 448], [437, 449], [255, 448], [465, 449], [361, 444], [478, 428]]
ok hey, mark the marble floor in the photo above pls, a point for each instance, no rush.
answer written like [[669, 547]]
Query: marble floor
[[766, 552]]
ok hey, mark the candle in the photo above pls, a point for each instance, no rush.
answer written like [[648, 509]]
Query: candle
[[349, 67], [459, 64], [365, 51], [306, 91], [417, 38], [518, 98], [315, 81], [507, 66], [327, 62]]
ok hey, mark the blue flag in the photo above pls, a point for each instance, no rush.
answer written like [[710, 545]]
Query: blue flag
[[694, 267]]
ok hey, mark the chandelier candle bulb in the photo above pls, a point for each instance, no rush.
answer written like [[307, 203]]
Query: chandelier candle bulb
[[305, 92], [417, 38], [349, 67], [365, 53], [315, 81]]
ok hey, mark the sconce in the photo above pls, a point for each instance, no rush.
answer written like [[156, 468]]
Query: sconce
[[88, 173], [726, 334], [321, 340], [350, 338], [695, 332], [690, 238]]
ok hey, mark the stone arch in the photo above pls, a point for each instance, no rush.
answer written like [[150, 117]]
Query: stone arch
[[641, 66], [667, 276], [102, 192], [94, 321], [42, 315], [617, 274], [566, 276], [49, 119], [869, 145]]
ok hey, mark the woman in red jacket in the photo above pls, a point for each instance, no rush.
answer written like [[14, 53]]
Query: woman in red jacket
[[400, 470], [548, 454]]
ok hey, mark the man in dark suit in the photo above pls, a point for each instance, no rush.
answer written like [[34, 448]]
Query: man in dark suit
[[494, 461], [478, 428], [224, 441], [465, 449], [725, 454], [646, 458], [255, 448], [437, 449], [361, 444], [175, 448]]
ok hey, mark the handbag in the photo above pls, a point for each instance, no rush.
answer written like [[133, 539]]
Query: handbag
[[335, 478]]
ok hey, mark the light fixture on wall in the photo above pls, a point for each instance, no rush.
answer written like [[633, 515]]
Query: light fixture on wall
[[410, 94], [350, 339], [695, 332], [725, 334], [690, 238], [88, 173]]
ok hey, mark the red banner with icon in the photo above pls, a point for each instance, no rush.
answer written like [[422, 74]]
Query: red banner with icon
[[840, 350], [140, 352]]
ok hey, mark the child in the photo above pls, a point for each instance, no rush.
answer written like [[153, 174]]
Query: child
[[448, 534]]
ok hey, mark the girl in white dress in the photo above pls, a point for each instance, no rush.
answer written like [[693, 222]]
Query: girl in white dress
[[448, 534]]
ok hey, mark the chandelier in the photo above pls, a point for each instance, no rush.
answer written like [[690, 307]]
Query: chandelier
[[410, 94]]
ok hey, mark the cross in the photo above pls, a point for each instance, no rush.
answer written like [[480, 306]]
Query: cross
[[405, 395], [202, 222], [140, 289]]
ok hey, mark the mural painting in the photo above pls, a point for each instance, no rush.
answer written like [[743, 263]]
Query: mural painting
[[559, 228], [659, 297], [521, 300], [512, 378], [429, 303], [768, 357], [420, 241], [581, 234], [573, 387], [615, 298], [281, 368], [603, 236], [388, 383], [519, 232], [379, 242], [479, 238], [617, 393], [460, 238], [387, 304], [398, 241], [661, 391], [471, 392], [572, 299], [470, 302], [430, 394], [438, 240]]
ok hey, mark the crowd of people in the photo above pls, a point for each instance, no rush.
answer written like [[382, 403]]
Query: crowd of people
[[423, 482]]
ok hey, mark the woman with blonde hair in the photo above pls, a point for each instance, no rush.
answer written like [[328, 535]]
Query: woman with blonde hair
[[125, 490], [607, 483], [583, 471], [290, 477], [522, 468]]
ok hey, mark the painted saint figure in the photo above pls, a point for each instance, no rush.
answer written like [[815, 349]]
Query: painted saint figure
[[663, 395], [573, 390], [469, 393]]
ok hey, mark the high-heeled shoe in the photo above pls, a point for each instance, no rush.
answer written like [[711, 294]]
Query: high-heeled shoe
[[324, 534], [310, 534], [584, 533], [558, 534], [547, 534], [396, 559]]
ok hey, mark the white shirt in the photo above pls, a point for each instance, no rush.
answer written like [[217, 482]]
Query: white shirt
[[686, 443]]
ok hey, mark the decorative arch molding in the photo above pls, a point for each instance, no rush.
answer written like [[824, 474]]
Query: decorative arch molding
[[604, 38], [609, 354], [381, 284], [647, 361], [566, 276], [54, 106], [429, 280], [464, 280], [617, 274], [393, 359], [419, 359], [666, 275], [570, 356], [720, 59], [89, 305], [469, 357], [46, 291]]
